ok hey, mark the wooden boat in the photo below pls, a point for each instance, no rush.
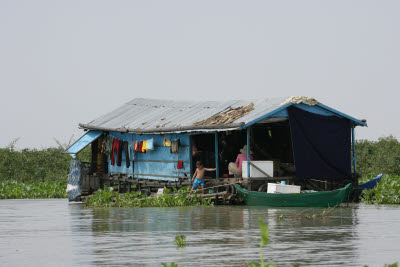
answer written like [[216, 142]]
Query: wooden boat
[[371, 184], [313, 199]]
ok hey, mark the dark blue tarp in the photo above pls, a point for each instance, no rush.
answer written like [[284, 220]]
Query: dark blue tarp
[[321, 145]]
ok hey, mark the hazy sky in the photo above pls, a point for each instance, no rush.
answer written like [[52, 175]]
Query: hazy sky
[[65, 62]]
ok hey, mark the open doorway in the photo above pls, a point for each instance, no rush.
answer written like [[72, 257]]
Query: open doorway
[[273, 142], [268, 142], [203, 149]]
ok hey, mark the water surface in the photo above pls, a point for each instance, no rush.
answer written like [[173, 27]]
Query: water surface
[[55, 233]]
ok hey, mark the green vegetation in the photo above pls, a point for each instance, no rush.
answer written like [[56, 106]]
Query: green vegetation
[[375, 157], [107, 197], [387, 191], [48, 164], [264, 241], [12, 189], [31, 166], [180, 241], [312, 214], [388, 265], [33, 173]]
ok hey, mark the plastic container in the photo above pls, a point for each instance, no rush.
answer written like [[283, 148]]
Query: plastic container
[[283, 189]]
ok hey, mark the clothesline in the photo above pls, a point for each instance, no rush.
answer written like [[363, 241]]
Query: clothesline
[[116, 147]]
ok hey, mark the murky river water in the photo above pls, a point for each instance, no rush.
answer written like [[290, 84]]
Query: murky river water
[[55, 233]]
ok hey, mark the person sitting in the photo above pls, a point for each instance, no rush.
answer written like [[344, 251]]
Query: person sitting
[[235, 168]]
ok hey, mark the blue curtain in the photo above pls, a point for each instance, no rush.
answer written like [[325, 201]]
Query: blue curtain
[[321, 145]]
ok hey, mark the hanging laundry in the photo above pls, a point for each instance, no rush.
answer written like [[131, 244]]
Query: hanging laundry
[[136, 145], [144, 146], [175, 147], [150, 144], [131, 149], [115, 148], [103, 146], [119, 158], [126, 150], [140, 146], [166, 142], [109, 144], [180, 165]]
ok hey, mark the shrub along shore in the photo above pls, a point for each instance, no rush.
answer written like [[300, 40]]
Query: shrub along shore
[[387, 191], [34, 173], [12, 189], [107, 197]]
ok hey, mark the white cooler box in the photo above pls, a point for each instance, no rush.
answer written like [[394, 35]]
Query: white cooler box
[[283, 189], [267, 166]]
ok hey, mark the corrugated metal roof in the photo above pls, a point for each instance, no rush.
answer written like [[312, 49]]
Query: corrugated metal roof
[[154, 115], [165, 115]]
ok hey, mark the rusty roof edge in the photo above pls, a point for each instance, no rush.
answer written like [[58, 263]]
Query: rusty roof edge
[[164, 130]]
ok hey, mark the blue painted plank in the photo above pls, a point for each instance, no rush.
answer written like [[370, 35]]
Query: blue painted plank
[[358, 122], [319, 109], [159, 153], [313, 109], [265, 116], [83, 142]]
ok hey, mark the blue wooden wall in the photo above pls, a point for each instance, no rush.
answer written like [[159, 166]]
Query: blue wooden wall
[[159, 153]]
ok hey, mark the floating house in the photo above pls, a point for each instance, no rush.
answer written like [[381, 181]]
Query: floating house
[[158, 142]]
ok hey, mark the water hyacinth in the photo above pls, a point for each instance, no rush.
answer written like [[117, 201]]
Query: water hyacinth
[[107, 197], [387, 191], [12, 189]]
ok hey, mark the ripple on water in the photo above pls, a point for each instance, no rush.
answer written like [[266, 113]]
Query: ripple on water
[[55, 233]]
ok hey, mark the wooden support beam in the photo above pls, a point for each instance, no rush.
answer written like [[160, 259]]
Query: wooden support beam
[[216, 155], [156, 160], [169, 147], [248, 150], [190, 157], [158, 175], [269, 178]]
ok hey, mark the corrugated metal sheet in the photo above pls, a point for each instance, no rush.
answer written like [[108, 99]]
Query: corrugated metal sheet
[[149, 114], [163, 116]]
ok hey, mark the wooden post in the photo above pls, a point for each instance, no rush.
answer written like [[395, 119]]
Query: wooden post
[[190, 158], [248, 150], [216, 156], [354, 149]]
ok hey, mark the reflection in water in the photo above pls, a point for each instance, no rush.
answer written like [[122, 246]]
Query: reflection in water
[[55, 233], [221, 235]]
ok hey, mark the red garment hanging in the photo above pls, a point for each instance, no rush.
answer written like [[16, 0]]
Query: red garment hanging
[[180, 165], [115, 148]]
